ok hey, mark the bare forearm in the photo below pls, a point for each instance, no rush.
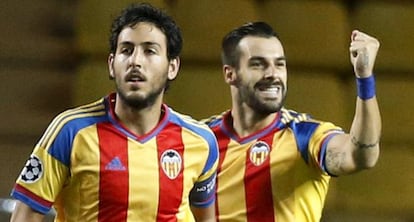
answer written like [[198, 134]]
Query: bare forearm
[[365, 133], [358, 150], [204, 214], [24, 213]]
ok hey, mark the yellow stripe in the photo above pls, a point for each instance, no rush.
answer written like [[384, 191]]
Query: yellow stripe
[[196, 148], [213, 118], [57, 119], [209, 172], [58, 127], [85, 166], [143, 179], [228, 190], [63, 115], [288, 117], [189, 120], [94, 109]]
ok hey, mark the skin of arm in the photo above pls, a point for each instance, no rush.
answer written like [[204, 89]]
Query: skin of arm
[[24, 213], [205, 214], [358, 150]]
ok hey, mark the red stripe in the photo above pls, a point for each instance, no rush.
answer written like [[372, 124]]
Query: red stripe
[[171, 190], [113, 183], [223, 142], [258, 188], [36, 198]]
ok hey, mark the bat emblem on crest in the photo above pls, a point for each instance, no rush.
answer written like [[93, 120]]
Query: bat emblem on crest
[[171, 163], [259, 152]]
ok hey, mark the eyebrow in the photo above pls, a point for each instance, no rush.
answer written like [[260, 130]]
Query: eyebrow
[[148, 43], [281, 58], [151, 44]]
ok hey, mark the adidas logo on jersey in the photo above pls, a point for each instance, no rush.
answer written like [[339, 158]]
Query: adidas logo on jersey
[[115, 165]]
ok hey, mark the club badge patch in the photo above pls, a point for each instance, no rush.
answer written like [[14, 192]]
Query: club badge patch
[[171, 163], [33, 170], [259, 152]]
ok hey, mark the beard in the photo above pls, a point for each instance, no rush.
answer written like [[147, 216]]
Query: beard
[[140, 101], [265, 106]]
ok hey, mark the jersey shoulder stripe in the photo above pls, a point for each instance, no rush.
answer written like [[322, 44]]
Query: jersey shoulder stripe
[[212, 121], [189, 123], [59, 135], [60, 120], [289, 116], [304, 127], [202, 130]]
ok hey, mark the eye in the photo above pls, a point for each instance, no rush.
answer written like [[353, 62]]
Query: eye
[[281, 63], [257, 64], [150, 51], [126, 50]]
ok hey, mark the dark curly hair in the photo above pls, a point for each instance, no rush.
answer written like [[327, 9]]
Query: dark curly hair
[[144, 12]]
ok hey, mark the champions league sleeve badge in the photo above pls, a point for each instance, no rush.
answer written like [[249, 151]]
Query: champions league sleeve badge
[[171, 163], [33, 170]]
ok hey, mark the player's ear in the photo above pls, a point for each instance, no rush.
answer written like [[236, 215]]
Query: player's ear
[[173, 68], [229, 74], [111, 66]]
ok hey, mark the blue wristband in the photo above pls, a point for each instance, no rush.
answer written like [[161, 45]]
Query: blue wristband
[[366, 87]]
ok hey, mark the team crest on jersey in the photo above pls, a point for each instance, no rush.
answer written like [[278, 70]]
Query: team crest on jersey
[[33, 170], [171, 163], [259, 152]]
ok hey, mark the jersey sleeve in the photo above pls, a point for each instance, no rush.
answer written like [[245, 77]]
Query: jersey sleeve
[[44, 175], [318, 143], [203, 192], [312, 138]]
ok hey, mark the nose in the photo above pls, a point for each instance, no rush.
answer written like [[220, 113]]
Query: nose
[[270, 72], [136, 58]]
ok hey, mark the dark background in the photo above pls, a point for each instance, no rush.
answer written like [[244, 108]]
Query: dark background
[[53, 56]]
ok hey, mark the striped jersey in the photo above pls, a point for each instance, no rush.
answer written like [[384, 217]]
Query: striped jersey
[[89, 167], [276, 174]]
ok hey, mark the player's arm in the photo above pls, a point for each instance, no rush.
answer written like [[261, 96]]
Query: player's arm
[[358, 150], [204, 214], [202, 197], [24, 213]]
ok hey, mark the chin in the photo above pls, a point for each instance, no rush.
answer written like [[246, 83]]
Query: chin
[[272, 107]]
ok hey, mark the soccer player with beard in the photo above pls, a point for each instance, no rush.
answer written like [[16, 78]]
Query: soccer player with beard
[[275, 164], [128, 156]]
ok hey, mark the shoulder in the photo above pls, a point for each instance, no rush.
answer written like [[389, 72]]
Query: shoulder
[[78, 114], [191, 124], [72, 120], [198, 129], [288, 116], [214, 120], [303, 123]]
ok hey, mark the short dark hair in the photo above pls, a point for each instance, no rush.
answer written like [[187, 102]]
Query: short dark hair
[[144, 12], [230, 54]]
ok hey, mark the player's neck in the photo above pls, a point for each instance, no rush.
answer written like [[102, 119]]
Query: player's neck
[[139, 121], [247, 121]]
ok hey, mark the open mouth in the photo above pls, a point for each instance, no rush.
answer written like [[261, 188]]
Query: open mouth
[[135, 76], [271, 88], [272, 91], [135, 79]]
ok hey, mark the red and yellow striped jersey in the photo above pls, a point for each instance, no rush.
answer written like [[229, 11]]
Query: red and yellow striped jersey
[[276, 174], [91, 168]]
